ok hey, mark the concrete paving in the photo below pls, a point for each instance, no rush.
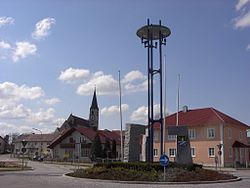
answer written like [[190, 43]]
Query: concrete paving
[[51, 176]]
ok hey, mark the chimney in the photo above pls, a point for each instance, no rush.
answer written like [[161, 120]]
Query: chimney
[[185, 109]]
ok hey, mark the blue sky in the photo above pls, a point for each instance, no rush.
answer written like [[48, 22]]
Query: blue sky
[[54, 53]]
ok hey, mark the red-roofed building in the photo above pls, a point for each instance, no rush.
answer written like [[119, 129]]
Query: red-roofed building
[[75, 143], [207, 129]]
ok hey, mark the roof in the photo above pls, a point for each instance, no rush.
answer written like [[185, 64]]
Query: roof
[[202, 116], [238, 144], [74, 121], [90, 133], [37, 137], [94, 104]]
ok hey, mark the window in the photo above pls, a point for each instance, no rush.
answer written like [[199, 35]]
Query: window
[[172, 152], [71, 140], [191, 134], [155, 153], [229, 133], [193, 152], [156, 136], [211, 152], [230, 151], [171, 137], [210, 133], [240, 136], [85, 152]]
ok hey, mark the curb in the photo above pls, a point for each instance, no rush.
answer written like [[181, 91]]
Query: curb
[[156, 183]]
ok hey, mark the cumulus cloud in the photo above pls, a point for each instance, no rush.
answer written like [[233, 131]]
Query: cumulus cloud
[[141, 113], [11, 91], [105, 84], [72, 75], [43, 28], [52, 101], [241, 4], [133, 75], [242, 21], [112, 110], [22, 50], [248, 47], [5, 45], [6, 21], [7, 128]]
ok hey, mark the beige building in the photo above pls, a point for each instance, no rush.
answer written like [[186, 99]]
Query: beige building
[[36, 144], [208, 129]]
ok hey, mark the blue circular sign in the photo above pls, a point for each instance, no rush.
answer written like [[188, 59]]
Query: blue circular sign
[[164, 160]]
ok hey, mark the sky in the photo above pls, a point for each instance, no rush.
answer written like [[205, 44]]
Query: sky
[[53, 54]]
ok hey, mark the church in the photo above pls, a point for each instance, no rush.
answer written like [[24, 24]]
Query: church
[[78, 134]]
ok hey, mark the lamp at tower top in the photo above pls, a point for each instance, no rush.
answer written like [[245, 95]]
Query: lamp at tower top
[[153, 32]]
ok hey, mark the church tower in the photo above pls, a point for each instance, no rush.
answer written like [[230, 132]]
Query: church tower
[[94, 113]]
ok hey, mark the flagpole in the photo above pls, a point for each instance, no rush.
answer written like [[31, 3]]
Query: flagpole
[[165, 104], [178, 100], [120, 100]]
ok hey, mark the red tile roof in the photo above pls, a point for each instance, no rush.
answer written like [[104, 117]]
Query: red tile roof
[[202, 116], [90, 133], [37, 137]]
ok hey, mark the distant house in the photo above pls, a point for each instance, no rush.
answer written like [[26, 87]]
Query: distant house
[[208, 129], [76, 143], [36, 144]]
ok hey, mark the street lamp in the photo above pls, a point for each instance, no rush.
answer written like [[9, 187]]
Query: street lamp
[[40, 140]]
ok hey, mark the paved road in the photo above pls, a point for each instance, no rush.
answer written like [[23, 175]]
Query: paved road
[[51, 176]]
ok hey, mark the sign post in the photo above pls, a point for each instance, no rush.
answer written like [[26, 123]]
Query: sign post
[[164, 161]]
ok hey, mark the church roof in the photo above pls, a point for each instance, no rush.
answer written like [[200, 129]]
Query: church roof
[[94, 104]]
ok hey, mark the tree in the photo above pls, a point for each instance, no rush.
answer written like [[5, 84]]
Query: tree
[[106, 149], [113, 149], [96, 150]]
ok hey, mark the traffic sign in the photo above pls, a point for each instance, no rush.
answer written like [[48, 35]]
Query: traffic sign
[[164, 160]]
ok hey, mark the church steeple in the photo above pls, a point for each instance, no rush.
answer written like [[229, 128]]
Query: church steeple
[[94, 113]]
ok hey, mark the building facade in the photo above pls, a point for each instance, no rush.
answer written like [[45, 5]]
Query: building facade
[[36, 144], [76, 144], [215, 138]]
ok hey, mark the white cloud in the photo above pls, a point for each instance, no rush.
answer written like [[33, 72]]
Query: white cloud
[[248, 47], [72, 75], [242, 21], [52, 101], [135, 81], [12, 92], [5, 45], [133, 75], [141, 114], [14, 112], [43, 28], [105, 84], [241, 4], [23, 49], [6, 20], [7, 128], [114, 109]]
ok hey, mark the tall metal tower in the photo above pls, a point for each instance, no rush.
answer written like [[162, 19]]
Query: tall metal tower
[[149, 35]]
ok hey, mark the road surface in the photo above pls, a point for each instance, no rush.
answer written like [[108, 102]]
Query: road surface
[[51, 176]]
